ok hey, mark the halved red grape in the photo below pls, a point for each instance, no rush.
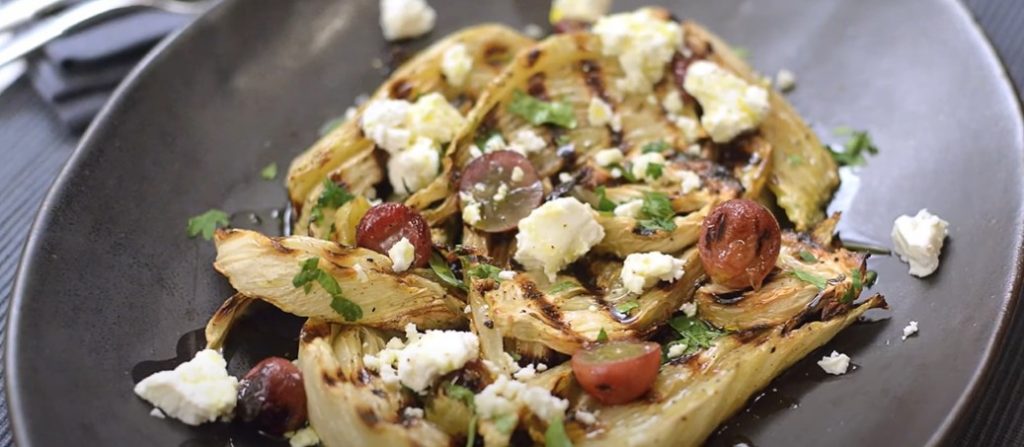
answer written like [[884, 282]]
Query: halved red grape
[[504, 185], [386, 224], [617, 372], [272, 398], [739, 244]]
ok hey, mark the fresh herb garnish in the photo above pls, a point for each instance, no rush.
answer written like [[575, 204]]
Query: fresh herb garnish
[[627, 173], [870, 278], [205, 224], [654, 170], [443, 271], [657, 213], [269, 172], [626, 307], [811, 278], [484, 271], [655, 146], [466, 396], [603, 204], [694, 332], [471, 433], [311, 272], [539, 112], [506, 423], [332, 197], [555, 435], [806, 256], [561, 287], [602, 336], [855, 287], [483, 137], [858, 143]]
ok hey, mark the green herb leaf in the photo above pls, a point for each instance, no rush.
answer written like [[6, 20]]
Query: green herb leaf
[[654, 170], [561, 287], [332, 197], [205, 224], [506, 423], [808, 277], [310, 272], [602, 336], [443, 271], [806, 256], [627, 174], [539, 112], [460, 393], [269, 172], [484, 271], [857, 144], [555, 435], [855, 287], [870, 278], [346, 308], [694, 332], [603, 204], [657, 213], [655, 146], [626, 307]]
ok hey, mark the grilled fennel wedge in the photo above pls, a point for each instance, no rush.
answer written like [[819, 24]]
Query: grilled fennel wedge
[[264, 268], [345, 154]]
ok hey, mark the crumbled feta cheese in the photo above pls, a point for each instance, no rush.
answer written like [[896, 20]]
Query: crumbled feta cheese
[[360, 273], [494, 143], [412, 413], [676, 350], [468, 309], [401, 19], [643, 270], [835, 364], [502, 192], [471, 213], [643, 43], [394, 124], [910, 329], [640, 163], [542, 367], [525, 141], [599, 113], [432, 116], [592, 308], [517, 174], [506, 396], [506, 275], [423, 357], [693, 149], [785, 80], [533, 31], [731, 105], [582, 10], [414, 168], [525, 373], [564, 177], [689, 309], [197, 391], [586, 417], [456, 64], [402, 255], [383, 121], [303, 437], [629, 209], [556, 234], [608, 157], [616, 172], [690, 182], [155, 412], [689, 127], [672, 103], [918, 241]]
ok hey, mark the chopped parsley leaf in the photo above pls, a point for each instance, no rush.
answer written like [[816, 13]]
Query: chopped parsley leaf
[[443, 271], [858, 143], [626, 307], [506, 423], [603, 204], [806, 256], [332, 197], [655, 146], [657, 213], [870, 278], [269, 172], [483, 137], [484, 271], [654, 170], [811, 278], [311, 272], [460, 393], [205, 224], [561, 287], [627, 174], [855, 287], [555, 435], [539, 112], [694, 332], [602, 336]]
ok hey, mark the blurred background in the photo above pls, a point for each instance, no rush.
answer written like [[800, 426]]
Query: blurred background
[[49, 96]]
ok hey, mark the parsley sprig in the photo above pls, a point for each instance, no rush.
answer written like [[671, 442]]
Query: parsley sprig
[[555, 435], [655, 146], [332, 197], [657, 213], [205, 224], [858, 143], [539, 112], [466, 396], [311, 273], [603, 203], [695, 333], [626, 307], [443, 271], [808, 277], [269, 172]]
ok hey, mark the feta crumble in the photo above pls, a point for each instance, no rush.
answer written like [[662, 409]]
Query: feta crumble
[[643, 270], [471, 212], [785, 80], [608, 157], [676, 350], [525, 141], [197, 391], [533, 31], [639, 164], [731, 105], [918, 241], [303, 437], [517, 174], [506, 275], [689, 182], [402, 19], [412, 169], [835, 363], [423, 358], [525, 373], [689, 309], [586, 417], [582, 10], [432, 116], [155, 412], [910, 329], [506, 396], [412, 413], [402, 255], [643, 44], [672, 103], [599, 113], [629, 209], [556, 234], [456, 64]]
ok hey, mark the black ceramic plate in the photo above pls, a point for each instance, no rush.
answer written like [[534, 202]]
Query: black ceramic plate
[[109, 281]]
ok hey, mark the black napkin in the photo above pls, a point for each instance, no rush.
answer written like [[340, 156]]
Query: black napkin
[[76, 74]]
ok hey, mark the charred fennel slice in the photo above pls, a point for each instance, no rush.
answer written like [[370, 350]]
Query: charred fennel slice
[[651, 193]]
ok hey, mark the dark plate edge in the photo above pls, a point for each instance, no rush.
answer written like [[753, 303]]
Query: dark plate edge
[[979, 381], [57, 189], [942, 433]]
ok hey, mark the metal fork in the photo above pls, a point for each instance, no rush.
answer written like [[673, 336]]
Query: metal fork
[[76, 16]]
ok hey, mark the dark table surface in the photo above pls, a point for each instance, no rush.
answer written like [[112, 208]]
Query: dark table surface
[[34, 147]]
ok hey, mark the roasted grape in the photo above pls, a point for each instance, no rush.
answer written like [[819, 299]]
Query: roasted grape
[[739, 244], [272, 398], [386, 224]]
